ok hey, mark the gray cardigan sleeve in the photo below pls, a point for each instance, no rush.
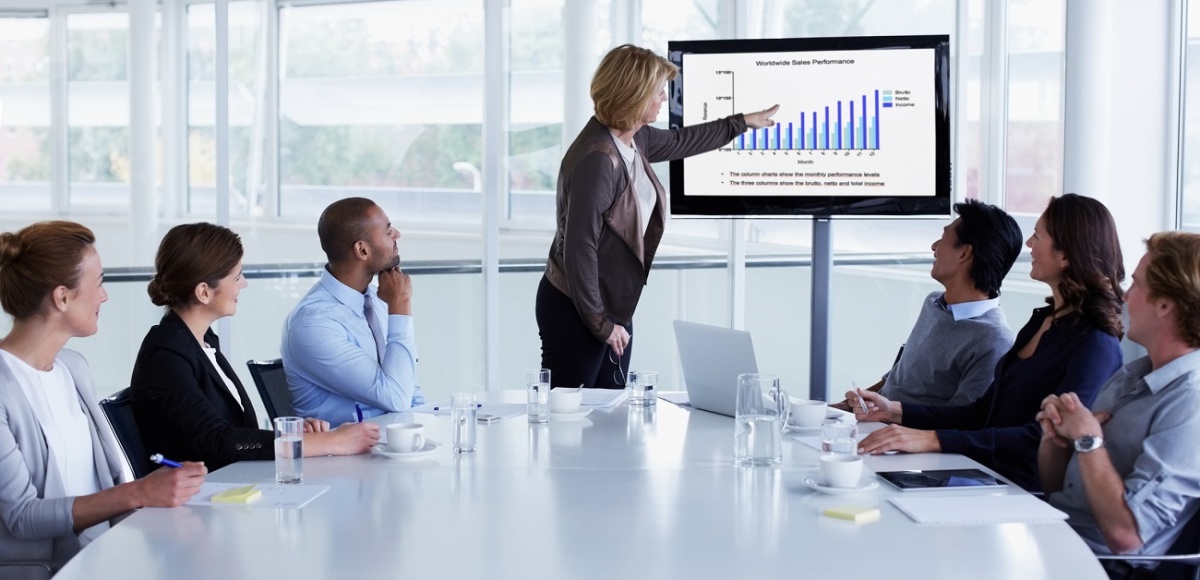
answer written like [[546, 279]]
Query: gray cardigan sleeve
[[27, 515]]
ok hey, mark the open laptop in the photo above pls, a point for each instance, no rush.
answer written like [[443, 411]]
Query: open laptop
[[712, 358]]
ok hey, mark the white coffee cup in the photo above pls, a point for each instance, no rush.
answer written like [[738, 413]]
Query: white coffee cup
[[565, 400], [405, 437], [808, 414], [842, 470]]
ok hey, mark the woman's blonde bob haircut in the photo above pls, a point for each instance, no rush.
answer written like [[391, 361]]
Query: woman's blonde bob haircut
[[625, 82]]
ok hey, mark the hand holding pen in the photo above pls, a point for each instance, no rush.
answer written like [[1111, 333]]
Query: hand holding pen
[[169, 487]]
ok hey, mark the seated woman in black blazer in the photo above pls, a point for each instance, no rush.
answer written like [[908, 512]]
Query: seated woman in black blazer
[[188, 402]]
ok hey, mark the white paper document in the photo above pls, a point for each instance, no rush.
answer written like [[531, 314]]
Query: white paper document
[[274, 496], [603, 398], [961, 510]]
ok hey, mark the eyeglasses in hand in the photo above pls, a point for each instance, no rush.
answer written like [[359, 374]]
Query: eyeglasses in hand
[[619, 374]]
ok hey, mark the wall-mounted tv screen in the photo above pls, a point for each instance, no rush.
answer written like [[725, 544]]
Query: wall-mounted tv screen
[[863, 127]]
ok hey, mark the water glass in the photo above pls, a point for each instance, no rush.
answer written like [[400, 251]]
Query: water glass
[[839, 438], [462, 415], [641, 388], [758, 426], [537, 384], [289, 449]]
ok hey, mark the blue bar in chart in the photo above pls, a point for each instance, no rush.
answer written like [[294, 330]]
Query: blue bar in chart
[[852, 124], [857, 130], [825, 127]]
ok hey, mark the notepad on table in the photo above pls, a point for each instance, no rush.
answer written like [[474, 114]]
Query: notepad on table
[[858, 514], [241, 494], [961, 510]]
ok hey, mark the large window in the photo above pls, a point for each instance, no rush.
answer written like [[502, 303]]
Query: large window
[[25, 114], [247, 131], [98, 109], [1034, 160], [383, 99], [538, 31]]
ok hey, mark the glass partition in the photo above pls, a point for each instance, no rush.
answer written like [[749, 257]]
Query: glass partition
[[405, 81]]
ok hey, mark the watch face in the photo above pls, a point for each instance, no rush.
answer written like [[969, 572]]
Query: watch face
[[1087, 443]]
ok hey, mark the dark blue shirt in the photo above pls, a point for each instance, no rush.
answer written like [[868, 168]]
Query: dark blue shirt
[[999, 429]]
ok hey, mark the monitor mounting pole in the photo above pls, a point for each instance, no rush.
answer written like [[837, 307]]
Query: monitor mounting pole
[[822, 289]]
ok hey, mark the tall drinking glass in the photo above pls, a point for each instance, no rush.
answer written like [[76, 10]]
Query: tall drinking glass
[[641, 388], [839, 438], [462, 414], [537, 384], [758, 425], [289, 449]]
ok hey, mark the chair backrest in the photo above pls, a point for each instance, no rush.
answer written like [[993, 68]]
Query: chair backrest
[[272, 387], [120, 416]]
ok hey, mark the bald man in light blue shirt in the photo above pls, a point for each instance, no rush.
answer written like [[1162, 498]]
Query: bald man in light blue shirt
[[348, 346]]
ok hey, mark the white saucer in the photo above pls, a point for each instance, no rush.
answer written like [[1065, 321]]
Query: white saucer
[[570, 416], [430, 447], [820, 486]]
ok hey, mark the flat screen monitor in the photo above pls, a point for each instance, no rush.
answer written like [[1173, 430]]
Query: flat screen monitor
[[863, 127]]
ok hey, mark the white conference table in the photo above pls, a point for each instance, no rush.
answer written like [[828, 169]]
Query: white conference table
[[627, 493]]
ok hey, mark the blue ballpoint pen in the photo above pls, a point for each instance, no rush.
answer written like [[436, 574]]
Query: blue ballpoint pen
[[358, 410], [159, 459]]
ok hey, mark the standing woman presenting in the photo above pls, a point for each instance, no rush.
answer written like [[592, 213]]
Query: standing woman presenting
[[610, 211]]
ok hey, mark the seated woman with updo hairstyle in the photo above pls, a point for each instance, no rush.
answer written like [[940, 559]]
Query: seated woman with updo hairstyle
[[187, 400], [61, 480]]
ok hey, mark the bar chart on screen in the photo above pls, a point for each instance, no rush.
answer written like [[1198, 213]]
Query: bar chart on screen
[[850, 123]]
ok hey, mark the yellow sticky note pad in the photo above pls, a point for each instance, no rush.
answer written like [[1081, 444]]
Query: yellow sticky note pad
[[244, 494], [856, 513]]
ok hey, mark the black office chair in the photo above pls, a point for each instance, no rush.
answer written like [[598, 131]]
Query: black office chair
[[272, 387], [120, 416], [1182, 560]]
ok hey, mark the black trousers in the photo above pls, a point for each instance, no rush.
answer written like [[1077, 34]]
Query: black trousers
[[569, 350]]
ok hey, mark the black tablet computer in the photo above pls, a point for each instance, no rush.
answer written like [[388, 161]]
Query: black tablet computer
[[935, 479]]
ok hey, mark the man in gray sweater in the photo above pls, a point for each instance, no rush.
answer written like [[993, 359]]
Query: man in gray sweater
[[961, 333]]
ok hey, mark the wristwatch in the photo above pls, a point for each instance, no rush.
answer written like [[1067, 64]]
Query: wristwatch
[[1088, 443]]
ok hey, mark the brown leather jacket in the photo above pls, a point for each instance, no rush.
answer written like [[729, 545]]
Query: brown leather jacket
[[597, 257]]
